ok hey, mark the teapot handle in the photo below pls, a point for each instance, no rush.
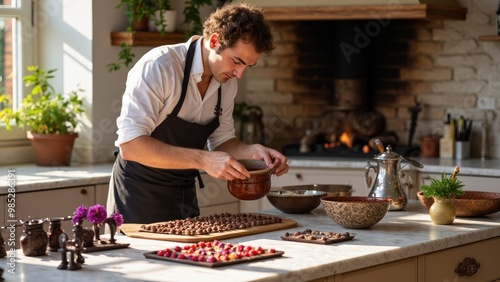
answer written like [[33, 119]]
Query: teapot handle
[[368, 178]]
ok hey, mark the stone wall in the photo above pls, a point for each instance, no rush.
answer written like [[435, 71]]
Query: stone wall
[[441, 64]]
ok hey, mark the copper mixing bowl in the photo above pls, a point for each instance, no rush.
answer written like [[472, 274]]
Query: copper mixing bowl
[[257, 185]]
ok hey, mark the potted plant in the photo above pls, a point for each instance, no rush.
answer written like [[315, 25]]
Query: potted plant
[[162, 17], [150, 8], [51, 118], [442, 191], [139, 13]]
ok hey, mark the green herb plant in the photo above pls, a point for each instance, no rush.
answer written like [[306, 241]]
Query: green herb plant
[[446, 187], [43, 110]]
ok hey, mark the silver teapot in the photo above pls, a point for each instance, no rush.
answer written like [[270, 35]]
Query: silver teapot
[[387, 183]]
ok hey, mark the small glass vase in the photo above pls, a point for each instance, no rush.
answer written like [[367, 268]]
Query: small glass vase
[[442, 211]]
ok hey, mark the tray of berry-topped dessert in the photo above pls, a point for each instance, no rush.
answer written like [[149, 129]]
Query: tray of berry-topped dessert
[[213, 254], [317, 237]]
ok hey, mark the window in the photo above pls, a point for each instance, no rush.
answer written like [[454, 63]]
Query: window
[[17, 39]]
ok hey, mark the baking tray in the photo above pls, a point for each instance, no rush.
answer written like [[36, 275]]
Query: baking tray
[[133, 230], [153, 255], [319, 241]]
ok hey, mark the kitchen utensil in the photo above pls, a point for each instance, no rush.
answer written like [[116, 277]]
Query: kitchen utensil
[[257, 185], [295, 201], [356, 212], [387, 183]]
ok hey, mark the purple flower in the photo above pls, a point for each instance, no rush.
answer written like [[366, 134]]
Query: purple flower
[[79, 214], [118, 219], [97, 214]]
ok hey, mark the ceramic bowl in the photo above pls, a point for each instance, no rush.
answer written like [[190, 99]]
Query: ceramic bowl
[[295, 201], [257, 185], [330, 189], [471, 204], [356, 212]]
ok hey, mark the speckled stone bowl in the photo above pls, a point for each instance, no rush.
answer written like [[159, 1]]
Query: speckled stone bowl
[[257, 185], [295, 201], [356, 212], [471, 204]]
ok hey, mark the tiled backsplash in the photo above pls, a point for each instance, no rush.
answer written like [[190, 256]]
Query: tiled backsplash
[[442, 64]]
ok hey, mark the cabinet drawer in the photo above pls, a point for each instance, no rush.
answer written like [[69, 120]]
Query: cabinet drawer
[[401, 271], [52, 203], [215, 192], [440, 266]]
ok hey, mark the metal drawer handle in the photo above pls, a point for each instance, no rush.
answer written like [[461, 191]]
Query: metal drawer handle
[[298, 176], [83, 191], [468, 267]]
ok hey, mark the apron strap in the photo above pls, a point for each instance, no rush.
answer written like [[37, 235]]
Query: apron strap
[[187, 76]]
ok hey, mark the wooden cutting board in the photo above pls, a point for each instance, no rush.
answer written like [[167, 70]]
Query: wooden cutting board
[[132, 230]]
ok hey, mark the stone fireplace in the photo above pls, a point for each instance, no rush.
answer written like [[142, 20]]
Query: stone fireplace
[[438, 63]]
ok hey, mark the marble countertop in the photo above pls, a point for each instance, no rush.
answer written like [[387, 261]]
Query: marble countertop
[[475, 167], [32, 177], [399, 235]]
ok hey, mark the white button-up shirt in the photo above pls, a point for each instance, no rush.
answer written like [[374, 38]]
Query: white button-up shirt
[[154, 87]]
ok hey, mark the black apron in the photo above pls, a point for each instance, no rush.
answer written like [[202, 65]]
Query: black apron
[[145, 194]]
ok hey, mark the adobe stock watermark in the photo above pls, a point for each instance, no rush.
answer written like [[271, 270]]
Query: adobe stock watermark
[[11, 221], [372, 29]]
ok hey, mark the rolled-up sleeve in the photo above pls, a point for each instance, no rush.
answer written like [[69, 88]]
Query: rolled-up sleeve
[[146, 91]]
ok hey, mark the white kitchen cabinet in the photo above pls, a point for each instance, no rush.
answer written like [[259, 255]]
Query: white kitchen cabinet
[[101, 193], [215, 198], [472, 183], [52, 203], [472, 262], [402, 271]]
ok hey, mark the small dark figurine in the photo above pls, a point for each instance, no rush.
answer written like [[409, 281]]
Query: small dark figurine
[[75, 247]]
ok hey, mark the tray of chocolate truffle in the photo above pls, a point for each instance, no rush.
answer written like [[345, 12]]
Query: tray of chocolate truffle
[[208, 228], [317, 237]]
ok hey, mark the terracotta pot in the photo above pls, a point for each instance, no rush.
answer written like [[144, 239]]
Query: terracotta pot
[[52, 149], [257, 185], [442, 211]]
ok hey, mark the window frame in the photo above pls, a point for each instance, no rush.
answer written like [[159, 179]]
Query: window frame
[[26, 30]]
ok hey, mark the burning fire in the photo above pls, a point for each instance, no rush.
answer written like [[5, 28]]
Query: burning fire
[[344, 138]]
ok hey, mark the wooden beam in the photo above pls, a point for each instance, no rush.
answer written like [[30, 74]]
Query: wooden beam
[[144, 38], [364, 12]]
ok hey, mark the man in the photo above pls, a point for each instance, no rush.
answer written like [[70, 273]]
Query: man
[[179, 98]]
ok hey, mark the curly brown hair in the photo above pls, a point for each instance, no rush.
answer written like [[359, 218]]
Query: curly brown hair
[[233, 22]]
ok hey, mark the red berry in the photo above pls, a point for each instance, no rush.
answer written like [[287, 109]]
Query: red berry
[[252, 253], [194, 258], [201, 244], [160, 252], [181, 256], [177, 248], [271, 251], [248, 248], [173, 255]]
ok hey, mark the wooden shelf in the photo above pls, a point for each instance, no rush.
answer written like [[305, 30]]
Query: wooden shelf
[[489, 38], [144, 38], [365, 12]]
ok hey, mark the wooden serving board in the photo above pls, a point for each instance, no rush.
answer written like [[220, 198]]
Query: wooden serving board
[[132, 230]]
